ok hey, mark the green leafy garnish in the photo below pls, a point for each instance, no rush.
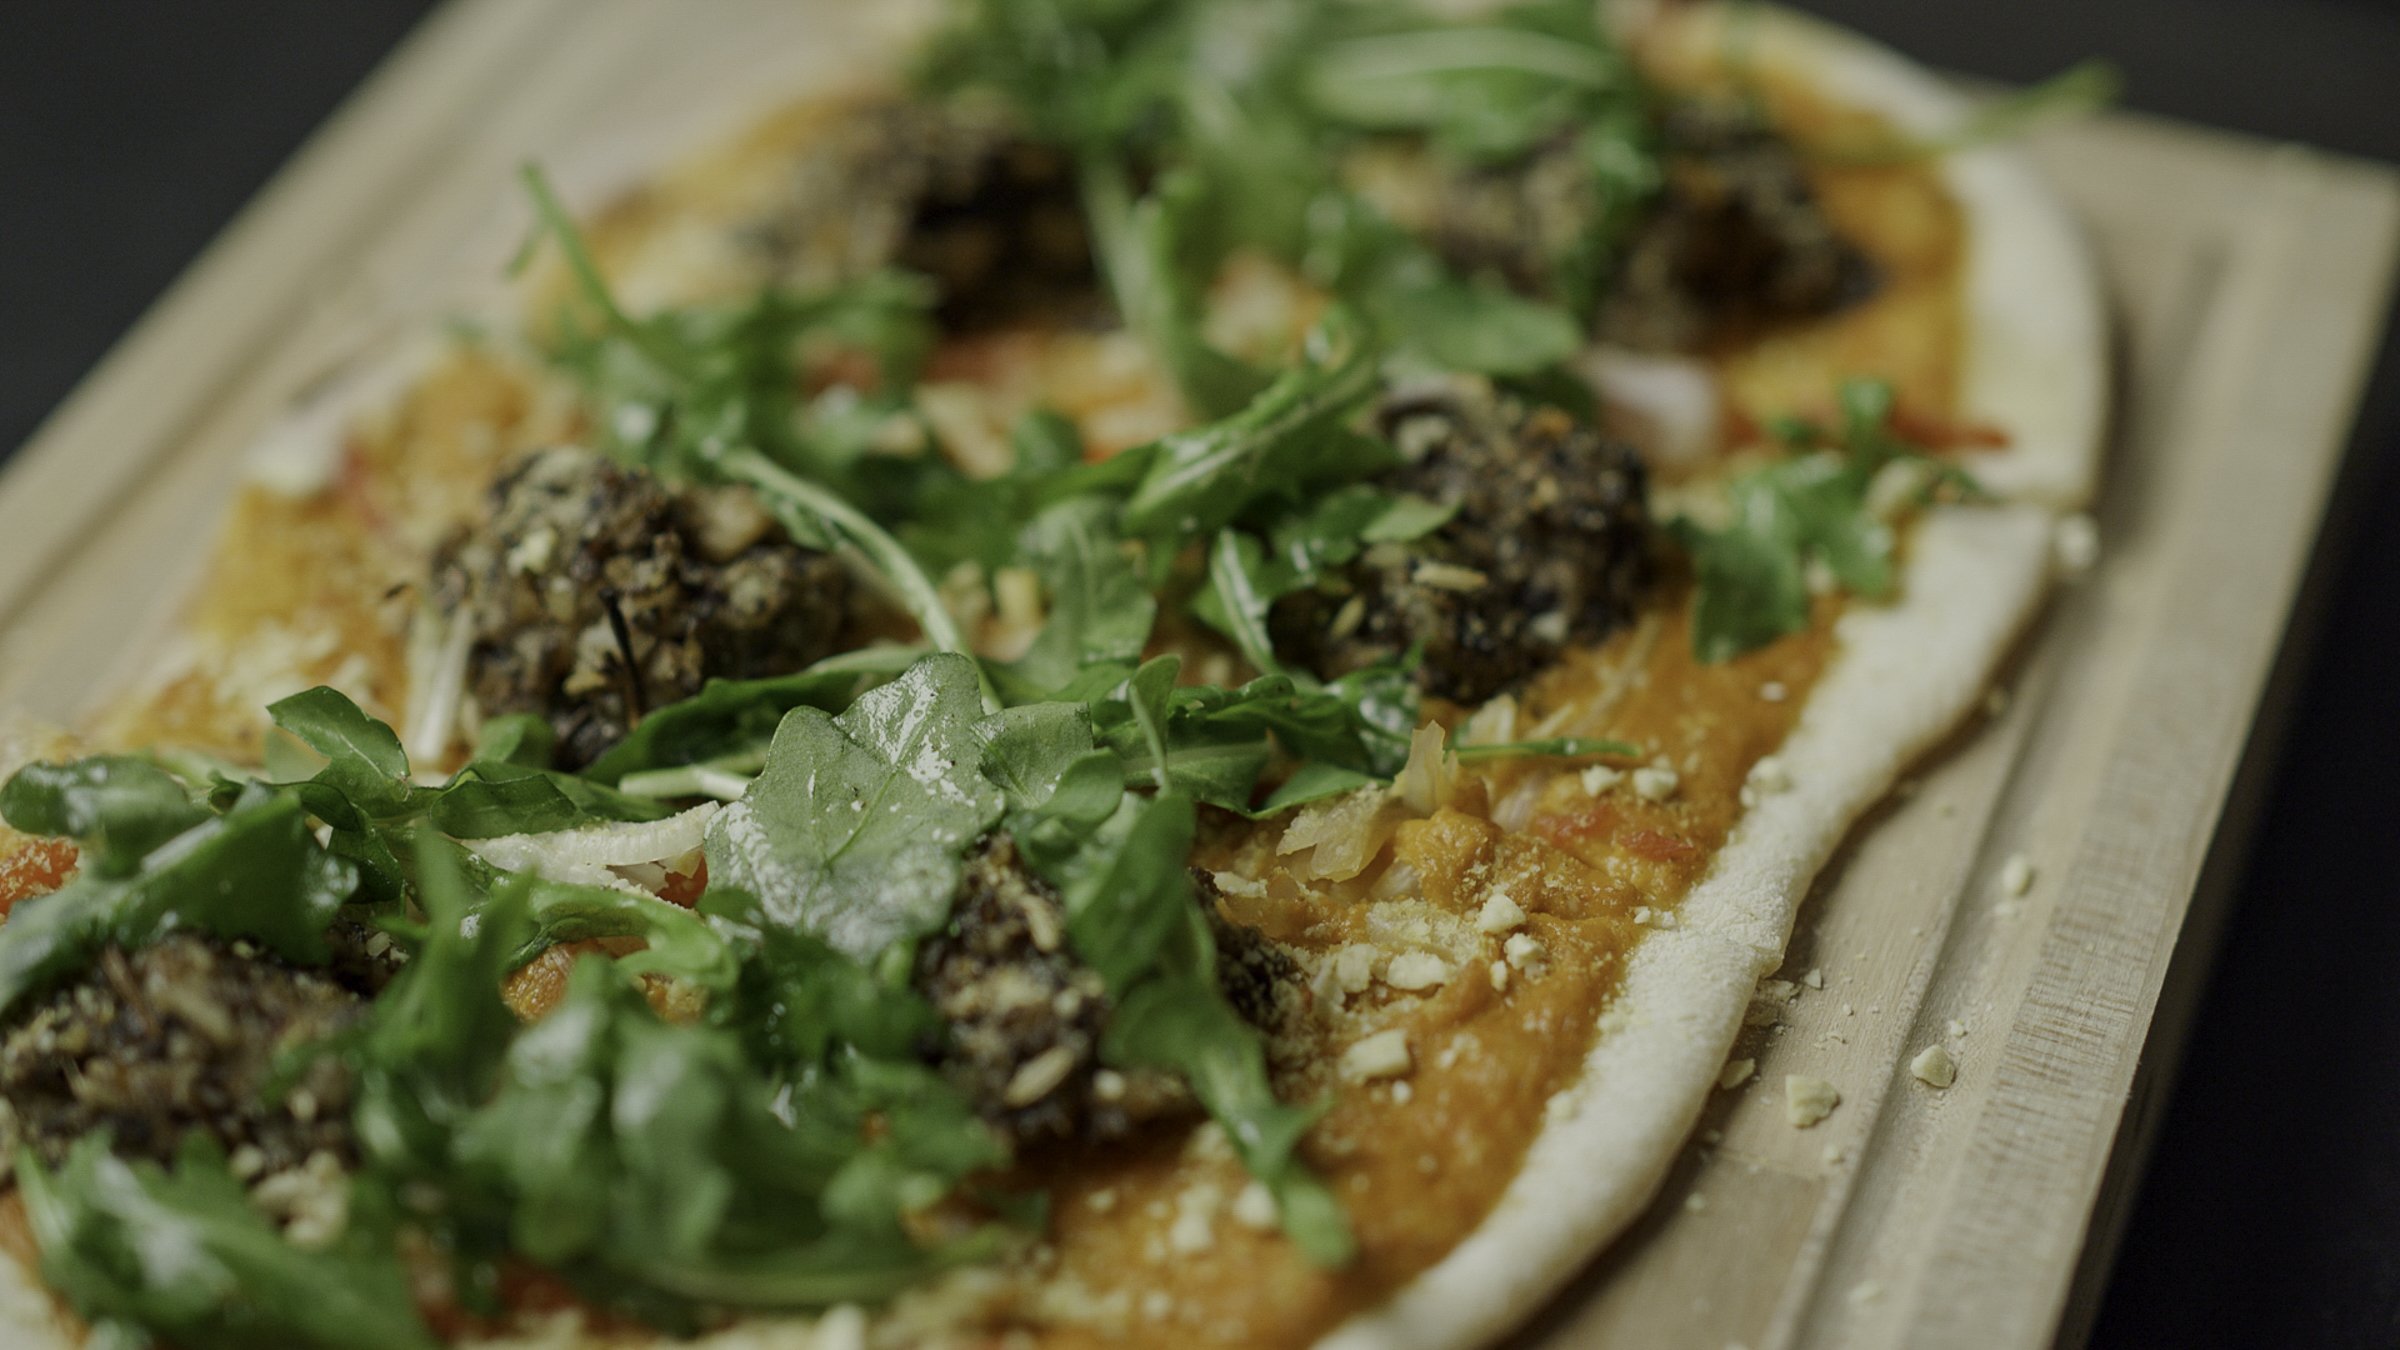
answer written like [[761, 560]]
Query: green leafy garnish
[[139, 1249], [255, 872], [857, 830], [1808, 510], [695, 397], [1555, 747]]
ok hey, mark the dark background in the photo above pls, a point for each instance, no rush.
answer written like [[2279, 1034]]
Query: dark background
[[131, 130]]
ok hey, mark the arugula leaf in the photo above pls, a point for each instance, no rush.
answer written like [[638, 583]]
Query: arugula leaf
[[709, 1196], [426, 1055], [1559, 747], [1246, 578], [1753, 570], [255, 872], [857, 829], [363, 758], [518, 738], [729, 717], [117, 808], [705, 401], [487, 800], [678, 942], [1146, 250], [1132, 916], [802, 1005], [138, 1249], [1101, 610], [1203, 478]]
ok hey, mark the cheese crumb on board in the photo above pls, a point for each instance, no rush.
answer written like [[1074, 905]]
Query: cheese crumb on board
[[2076, 545], [1814, 979], [1737, 1072], [1934, 1067], [1382, 1055], [1807, 1100], [2016, 874]]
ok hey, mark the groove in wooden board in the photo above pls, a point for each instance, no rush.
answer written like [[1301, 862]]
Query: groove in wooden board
[[2280, 368], [206, 331], [2067, 687]]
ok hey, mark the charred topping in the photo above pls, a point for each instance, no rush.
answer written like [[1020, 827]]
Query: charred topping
[[948, 190], [596, 593], [1736, 242], [1026, 1017], [1550, 547], [185, 1036]]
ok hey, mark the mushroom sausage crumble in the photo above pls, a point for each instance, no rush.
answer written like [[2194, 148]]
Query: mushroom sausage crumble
[[1026, 1017], [1550, 546], [596, 594], [949, 191], [184, 1037]]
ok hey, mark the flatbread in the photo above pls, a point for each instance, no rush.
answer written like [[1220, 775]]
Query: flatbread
[[1905, 672]]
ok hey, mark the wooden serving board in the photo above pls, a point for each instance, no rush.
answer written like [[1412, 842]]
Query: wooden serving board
[[2249, 283]]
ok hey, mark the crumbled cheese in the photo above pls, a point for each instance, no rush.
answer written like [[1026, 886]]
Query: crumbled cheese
[[1768, 775], [1807, 1100], [843, 1327], [1773, 691], [1347, 619], [1779, 991], [1500, 976], [1413, 972], [1402, 1093], [1523, 951], [1934, 1067], [1234, 883], [1191, 1233], [1354, 967], [1108, 1085], [1039, 1076], [1255, 1207], [1600, 778], [1444, 576], [1500, 914], [1814, 979], [1737, 1072], [1655, 782], [1382, 1055], [2016, 874], [1957, 1029], [2075, 547]]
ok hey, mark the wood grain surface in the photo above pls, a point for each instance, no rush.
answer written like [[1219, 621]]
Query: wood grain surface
[[2249, 282]]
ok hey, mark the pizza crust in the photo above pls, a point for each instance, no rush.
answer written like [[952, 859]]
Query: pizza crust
[[2035, 365]]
